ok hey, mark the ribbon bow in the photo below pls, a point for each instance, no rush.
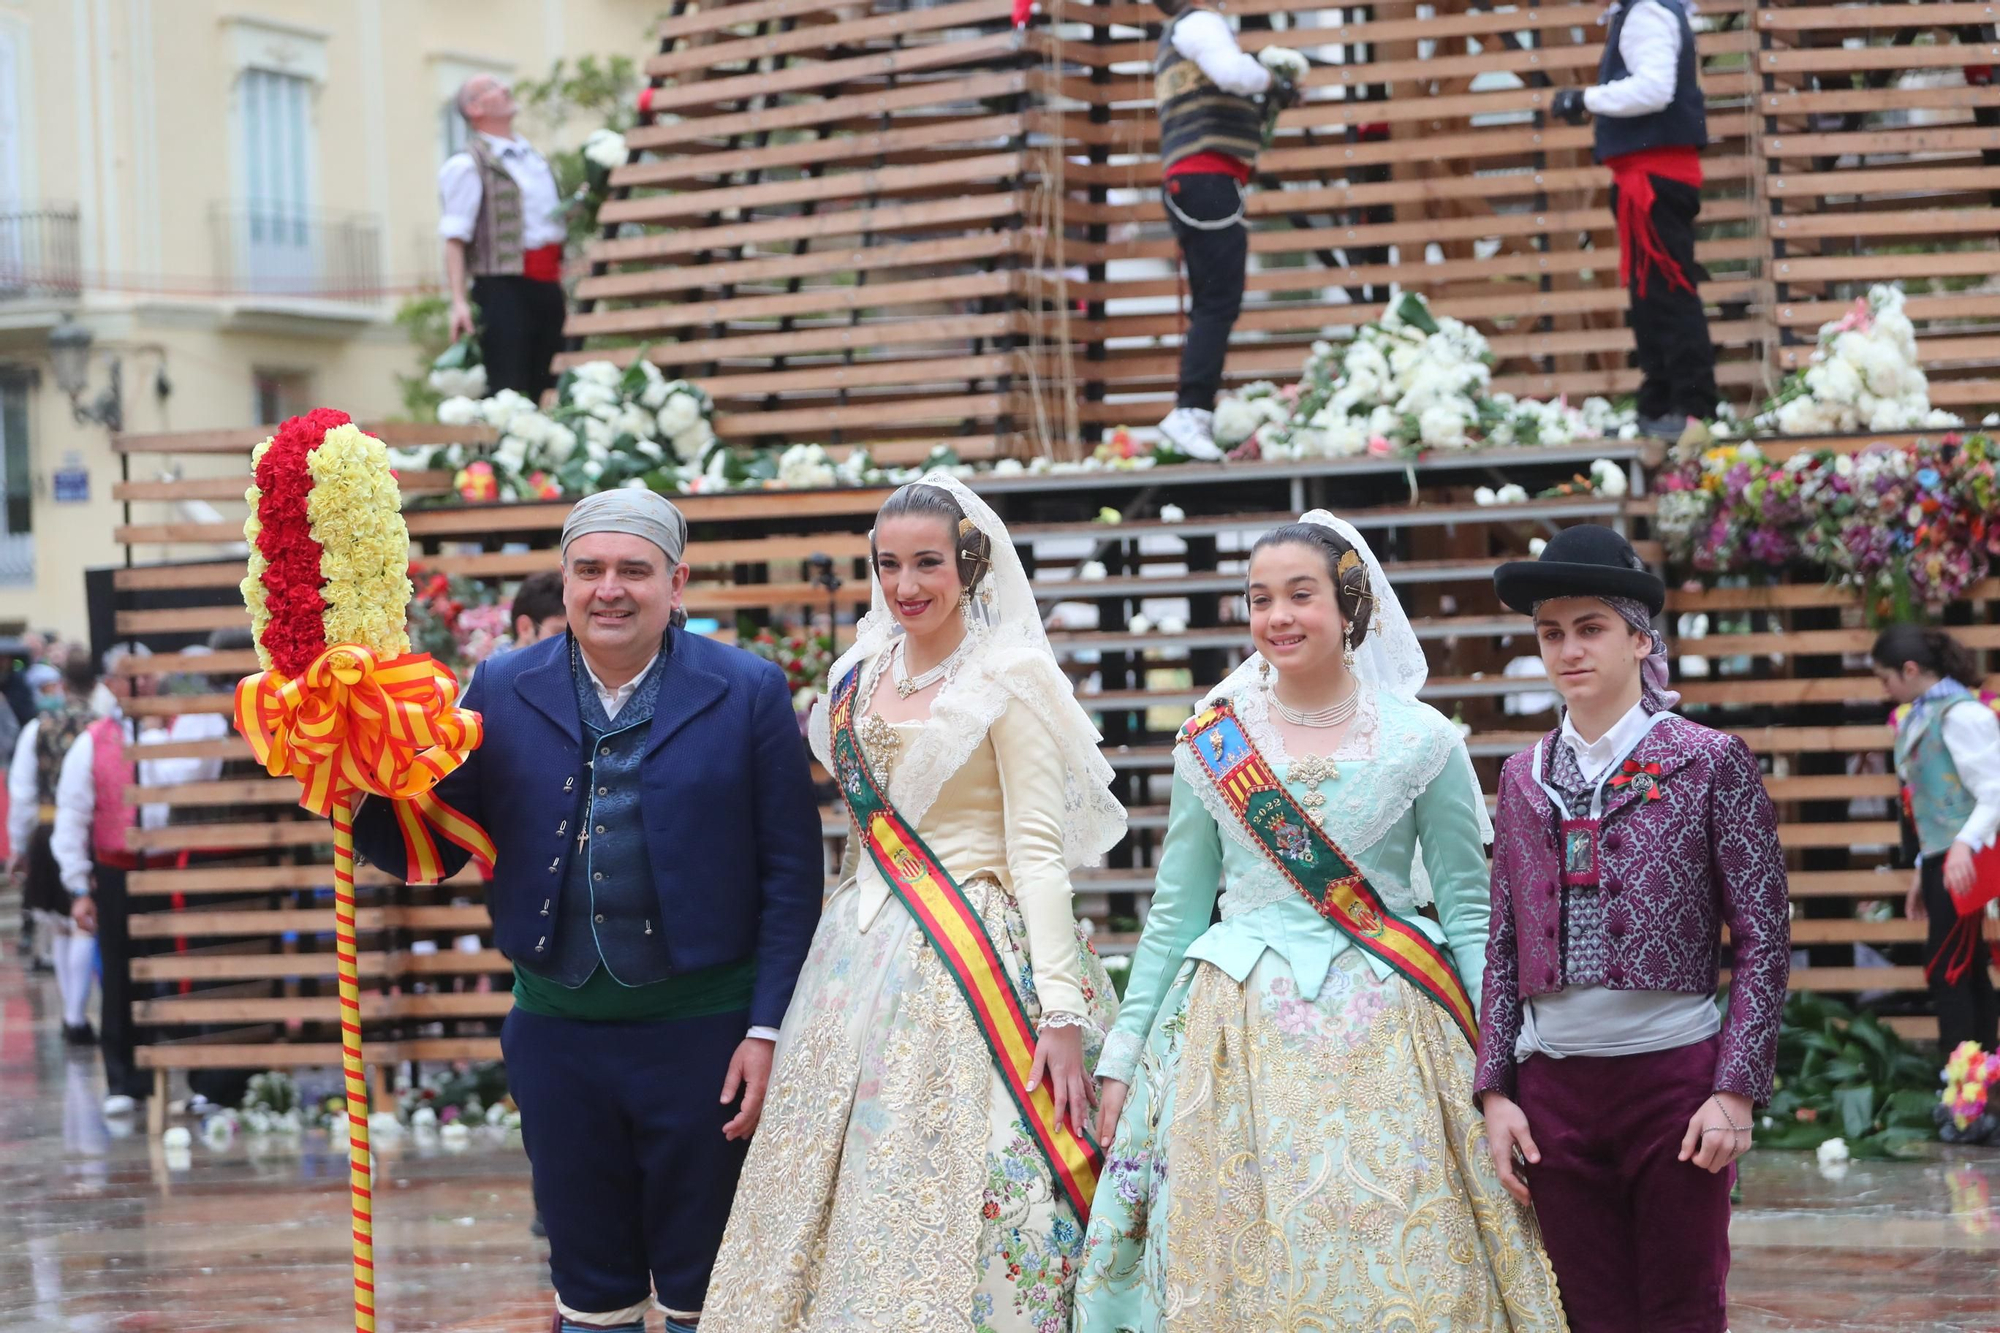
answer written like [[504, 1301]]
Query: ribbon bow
[[1646, 777], [354, 722]]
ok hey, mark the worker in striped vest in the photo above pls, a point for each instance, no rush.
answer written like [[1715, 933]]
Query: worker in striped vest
[[1214, 100]]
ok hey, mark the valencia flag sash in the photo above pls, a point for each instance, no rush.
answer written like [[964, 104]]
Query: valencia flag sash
[[1323, 874], [955, 930]]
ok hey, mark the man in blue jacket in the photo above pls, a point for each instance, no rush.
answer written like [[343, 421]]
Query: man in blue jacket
[[657, 882]]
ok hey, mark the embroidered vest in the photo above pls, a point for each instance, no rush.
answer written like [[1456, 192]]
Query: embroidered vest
[[1939, 802], [57, 733], [1586, 949], [496, 234], [608, 909], [1196, 116], [111, 773], [1682, 122]]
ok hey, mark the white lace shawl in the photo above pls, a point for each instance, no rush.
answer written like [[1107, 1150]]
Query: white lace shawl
[[1010, 663]]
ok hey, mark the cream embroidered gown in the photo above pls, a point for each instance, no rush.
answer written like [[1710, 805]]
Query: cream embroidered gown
[[891, 1183], [1300, 1149]]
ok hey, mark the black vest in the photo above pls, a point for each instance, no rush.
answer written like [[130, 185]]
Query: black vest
[[1195, 115], [1683, 122]]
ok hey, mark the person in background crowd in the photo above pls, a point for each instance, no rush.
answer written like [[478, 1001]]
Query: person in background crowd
[[503, 228], [1651, 128], [92, 816], [31, 808], [1948, 758], [537, 612], [1211, 129], [14, 688]]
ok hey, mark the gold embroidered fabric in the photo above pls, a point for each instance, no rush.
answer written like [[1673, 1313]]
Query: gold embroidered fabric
[[891, 1184], [1290, 1164]]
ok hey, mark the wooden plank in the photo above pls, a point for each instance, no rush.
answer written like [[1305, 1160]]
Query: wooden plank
[[839, 222], [836, 36], [866, 414], [1872, 18], [209, 880], [375, 1008], [197, 1054], [398, 434], [832, 73], [721, 17], [279, 966], [881, 296], [782, 268], [410, 483], [304, 921], [838, 185], [1857, 59], [1791, 596], [1793, 102], [230, 837], [841, 337], [800, 115]]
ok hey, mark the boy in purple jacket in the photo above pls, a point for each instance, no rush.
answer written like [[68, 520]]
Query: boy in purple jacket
[[1625, 841]]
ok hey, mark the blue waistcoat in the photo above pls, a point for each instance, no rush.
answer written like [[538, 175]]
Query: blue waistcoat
[[607, 911], [1939, 801], [1683, 122]]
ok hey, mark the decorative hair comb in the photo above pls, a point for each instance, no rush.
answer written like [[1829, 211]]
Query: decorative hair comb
[[1351, 560]]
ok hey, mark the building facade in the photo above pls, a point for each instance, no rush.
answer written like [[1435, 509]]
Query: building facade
[[230, 198]]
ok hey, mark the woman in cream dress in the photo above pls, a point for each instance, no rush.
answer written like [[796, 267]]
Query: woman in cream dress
[[893, 1183], [1296, 1144]]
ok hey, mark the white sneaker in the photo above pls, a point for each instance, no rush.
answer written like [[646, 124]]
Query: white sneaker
[[119, 1105], [1191, 430]]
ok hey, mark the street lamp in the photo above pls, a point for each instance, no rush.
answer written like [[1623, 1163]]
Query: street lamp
[[69, 349]]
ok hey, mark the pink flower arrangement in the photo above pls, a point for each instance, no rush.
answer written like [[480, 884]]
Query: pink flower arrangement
[[1968, 1079]]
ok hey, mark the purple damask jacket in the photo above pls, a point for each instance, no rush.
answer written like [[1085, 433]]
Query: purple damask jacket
[[1674, 870]]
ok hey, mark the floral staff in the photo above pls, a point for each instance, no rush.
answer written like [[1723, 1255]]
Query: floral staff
[[342, 704]]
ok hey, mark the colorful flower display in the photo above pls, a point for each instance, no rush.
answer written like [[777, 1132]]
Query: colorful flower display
[[1909, 524], [1410, 382], [460, 622], [805, 655], [1969, 1077]]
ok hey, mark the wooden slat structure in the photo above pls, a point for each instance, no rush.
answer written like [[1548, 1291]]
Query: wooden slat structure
[[234, 896], [901, 225]]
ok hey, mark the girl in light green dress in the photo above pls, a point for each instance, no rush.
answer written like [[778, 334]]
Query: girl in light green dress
[[1292, 1141]]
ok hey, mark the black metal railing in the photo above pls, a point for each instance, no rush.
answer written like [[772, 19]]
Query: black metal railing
[[40, 254], [276, 250]]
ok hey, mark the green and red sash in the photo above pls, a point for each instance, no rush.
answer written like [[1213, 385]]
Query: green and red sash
[[953, 926], [1324, 875]]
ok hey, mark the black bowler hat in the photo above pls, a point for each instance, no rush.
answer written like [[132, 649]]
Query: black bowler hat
[[1584, 561]]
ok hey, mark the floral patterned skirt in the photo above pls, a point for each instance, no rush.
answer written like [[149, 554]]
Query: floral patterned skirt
[[1289, 1164], [891, 1183]]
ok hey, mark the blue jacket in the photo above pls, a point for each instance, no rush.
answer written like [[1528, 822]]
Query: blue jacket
[[732, 828]]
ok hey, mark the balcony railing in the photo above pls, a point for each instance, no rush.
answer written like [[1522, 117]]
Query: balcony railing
[[281, 251], [40, 254]]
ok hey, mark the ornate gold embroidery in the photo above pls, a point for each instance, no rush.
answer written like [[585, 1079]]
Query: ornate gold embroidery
[[1309, 771], [881, 745], [1327, 1168]]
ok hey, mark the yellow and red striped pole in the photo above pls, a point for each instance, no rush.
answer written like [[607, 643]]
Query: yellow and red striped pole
[[345, 951]]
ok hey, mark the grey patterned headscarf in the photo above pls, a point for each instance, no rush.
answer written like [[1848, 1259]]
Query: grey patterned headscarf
[[1654, 690], [633, 511]]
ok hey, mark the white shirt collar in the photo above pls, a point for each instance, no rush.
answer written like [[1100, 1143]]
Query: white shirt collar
[[614, 700], [502, 145], [1593, 757]]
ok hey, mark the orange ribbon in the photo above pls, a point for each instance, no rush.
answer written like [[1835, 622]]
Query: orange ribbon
[[355, 722]]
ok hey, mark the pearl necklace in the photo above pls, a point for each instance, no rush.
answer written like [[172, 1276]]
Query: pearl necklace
[[1324, 719], [909, 685]]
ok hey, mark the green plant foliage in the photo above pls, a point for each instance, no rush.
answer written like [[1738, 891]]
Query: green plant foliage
[[589, 94], [1843, 1074]]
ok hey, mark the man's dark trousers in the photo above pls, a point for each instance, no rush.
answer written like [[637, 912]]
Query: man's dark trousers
[[520, 331], [1669, 326], [622, 1123], [1215, 261]]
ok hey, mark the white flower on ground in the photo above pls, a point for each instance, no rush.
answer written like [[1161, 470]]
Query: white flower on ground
[[1511, 494], [1172, 514], [1536, 545], [1140, 623], [605, 148], [1833, 1154], [600, 373], [806, 467], [453, 383], [177, 1137], [1441, 426], [1172, 625], [423, 1118], [693, 442], [1009, 467], [1118, 962], [1235, 422], [1485, 495], [459, 412], [1091, 569], [456, 1137], [219, 1129], [635, 421], [1608, 477], [678, 413]]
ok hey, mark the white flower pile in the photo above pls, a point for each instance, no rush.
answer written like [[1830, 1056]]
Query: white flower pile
[[606, 149], [1864, 376], [1411, 381], [1284, 62], [455, 382]]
